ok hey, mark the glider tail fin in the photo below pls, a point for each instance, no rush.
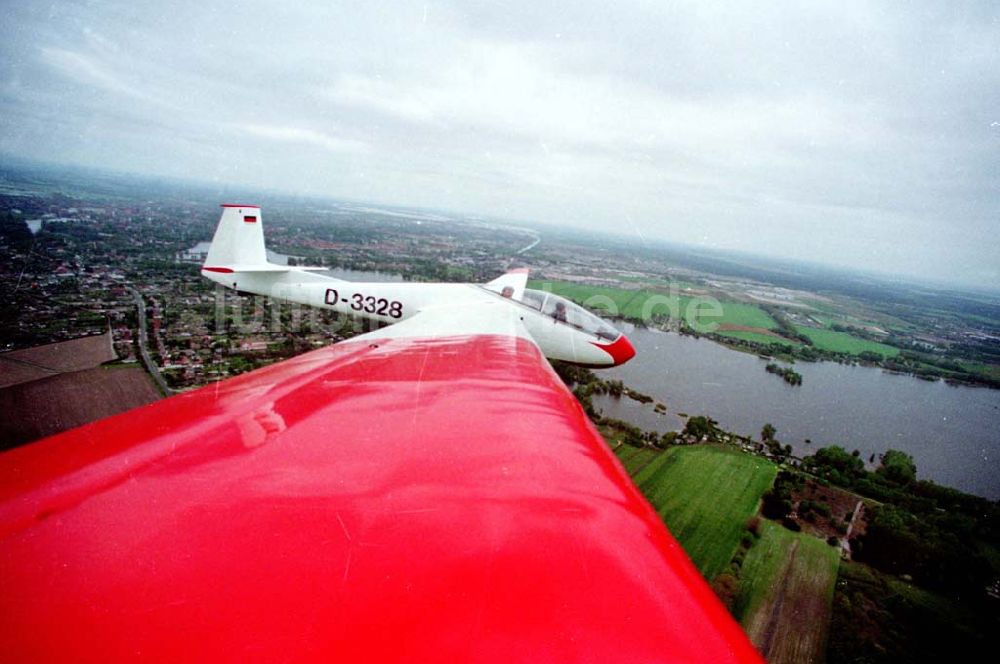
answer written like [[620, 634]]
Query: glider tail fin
[[239, 238]]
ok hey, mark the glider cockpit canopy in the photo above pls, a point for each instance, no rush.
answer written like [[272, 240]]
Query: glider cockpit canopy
[[563, 311]]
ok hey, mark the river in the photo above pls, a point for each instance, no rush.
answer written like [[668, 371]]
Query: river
[[952, 432]]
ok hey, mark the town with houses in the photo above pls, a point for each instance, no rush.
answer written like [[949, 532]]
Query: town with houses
[[133, 268]]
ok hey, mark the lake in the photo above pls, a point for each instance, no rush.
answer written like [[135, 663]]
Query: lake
[[952, 432]]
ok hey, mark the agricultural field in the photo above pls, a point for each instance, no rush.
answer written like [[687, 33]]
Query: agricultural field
[[786, 590], [841, 342], [643, 303], [676, 283], [705, 494], [637, 304], [635, 458], [66, 400], [739, 320], [746, 315], [988, 370], [824, 319]]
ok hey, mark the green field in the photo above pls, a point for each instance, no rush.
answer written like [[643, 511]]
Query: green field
[[705, 494], [635, 458], [757, 337], [750, 315], [786, 590], [823, 319], [987, 370], [676, 283], [629, 303], [841, 342], [643, 303]]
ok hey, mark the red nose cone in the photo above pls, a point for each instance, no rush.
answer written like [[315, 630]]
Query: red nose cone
[[621, 351]]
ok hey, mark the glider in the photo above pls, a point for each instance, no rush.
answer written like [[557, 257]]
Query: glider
[[561, 329], [428, 492]]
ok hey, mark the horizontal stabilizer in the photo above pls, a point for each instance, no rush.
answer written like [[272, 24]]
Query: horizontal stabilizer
[[230, 269], [265, 267], [238, 245]]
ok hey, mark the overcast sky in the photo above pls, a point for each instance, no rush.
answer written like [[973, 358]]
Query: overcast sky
[[862, 134]]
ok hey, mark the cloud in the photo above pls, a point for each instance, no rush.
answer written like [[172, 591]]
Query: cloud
[[87, 71], [817, 131], [296, 135]]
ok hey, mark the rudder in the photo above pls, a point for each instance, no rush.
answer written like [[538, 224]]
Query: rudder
[[239, 238]]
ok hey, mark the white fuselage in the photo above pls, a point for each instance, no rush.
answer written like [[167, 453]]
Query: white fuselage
[[237, 259], [397, 301]]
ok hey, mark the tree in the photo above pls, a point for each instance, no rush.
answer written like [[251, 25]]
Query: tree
[[699, 427], [767, 432], [889, 542], [775, 505], [897, 467], [836, 464], [726, 587]]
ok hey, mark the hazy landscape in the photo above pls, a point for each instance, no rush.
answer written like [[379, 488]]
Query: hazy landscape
[[115, 259]]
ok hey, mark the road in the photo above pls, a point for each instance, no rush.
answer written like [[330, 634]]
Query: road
[[531, 246], [151, 367]]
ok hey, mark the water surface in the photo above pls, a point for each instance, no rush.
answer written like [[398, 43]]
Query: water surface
[[952, 432]]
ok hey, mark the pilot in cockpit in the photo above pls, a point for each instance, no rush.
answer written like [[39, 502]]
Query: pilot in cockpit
[[560, 312]]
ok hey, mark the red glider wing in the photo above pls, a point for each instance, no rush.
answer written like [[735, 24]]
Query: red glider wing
[[394, 497]]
